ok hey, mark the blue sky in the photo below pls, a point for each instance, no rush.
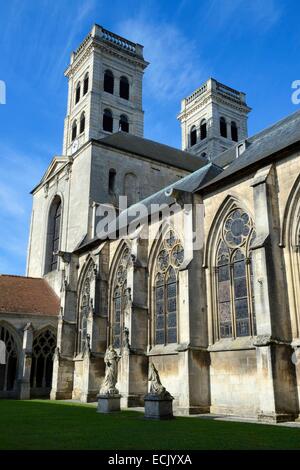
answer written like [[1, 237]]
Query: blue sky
[[252, 45]]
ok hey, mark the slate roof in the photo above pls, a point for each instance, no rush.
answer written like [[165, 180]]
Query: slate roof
[[189, 183], [27, 295], [263, 145], [153, 151], [271, 140]]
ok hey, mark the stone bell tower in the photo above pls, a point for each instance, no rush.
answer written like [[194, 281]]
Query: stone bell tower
[[213, 118], [104, 89]]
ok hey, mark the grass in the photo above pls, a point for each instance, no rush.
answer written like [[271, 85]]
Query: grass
[[37, 424]]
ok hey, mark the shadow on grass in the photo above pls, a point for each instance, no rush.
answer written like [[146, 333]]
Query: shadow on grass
[[42, 424]]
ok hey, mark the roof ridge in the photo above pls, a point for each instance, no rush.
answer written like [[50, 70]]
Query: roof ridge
[[272, 127], [20, 276], [127, 135]]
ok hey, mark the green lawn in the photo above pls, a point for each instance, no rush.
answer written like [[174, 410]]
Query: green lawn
[[41, 424]]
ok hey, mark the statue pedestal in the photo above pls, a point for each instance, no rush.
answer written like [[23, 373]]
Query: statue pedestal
[[108, 403], [158, 407]]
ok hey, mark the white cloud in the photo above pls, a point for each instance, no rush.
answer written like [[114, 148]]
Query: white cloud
[[18, 174], [241, 15], [72, 24], [175, 67]]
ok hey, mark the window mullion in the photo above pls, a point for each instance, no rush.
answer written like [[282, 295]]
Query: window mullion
[[165, 310], [216, 300], [232, 299], [249, 296]]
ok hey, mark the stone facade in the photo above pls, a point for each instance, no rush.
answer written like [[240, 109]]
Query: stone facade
[[28, 328], [219, 319], [203, 113]]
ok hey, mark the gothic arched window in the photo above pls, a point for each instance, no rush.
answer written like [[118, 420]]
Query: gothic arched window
[[53, 235], [203, 129], [234, 131], [223, 127], [193, 136], [86, 84], [43, 348], [74, 130], [165, 287], [234, 277], [82, 123], [124, 88], [109, 81], [107, 120], [8, 371], [123, 123], [119, 299], [77, 93]]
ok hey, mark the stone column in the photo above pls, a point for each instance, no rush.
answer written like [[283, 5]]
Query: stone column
[[277, 399], [63, 365], [93, 363], [133, 365], [26, 359], [193, 356]]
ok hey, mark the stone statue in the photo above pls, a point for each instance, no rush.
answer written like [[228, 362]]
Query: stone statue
[[156, 387], [126, 338], [87, 345], [111, 360]]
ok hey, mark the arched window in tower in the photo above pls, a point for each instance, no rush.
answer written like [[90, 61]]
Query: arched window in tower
[[193, 136], [234, 292], [82, 123], [123, 123], [124, 88], [109, 81], [53, 235], [107, 120], [8, 369], [43, 348], [77, 93], [131, 188], [165, 290], [74, 130], [223, 127], [86, 84], [203, 129], [120, 298], [234, 131]]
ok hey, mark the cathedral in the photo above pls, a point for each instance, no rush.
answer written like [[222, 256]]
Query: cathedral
[[186, 259]]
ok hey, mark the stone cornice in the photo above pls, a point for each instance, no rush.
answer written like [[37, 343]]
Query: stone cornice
[[92, 44], [267, 340], [210, 97]]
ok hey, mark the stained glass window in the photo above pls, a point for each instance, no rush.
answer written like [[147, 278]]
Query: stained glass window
[[84, 306], [119, 299], [117, 318], [160, 309], [55, 241], [171, 323], [234, 277], [53, 236], [170, 258], [224, 292]]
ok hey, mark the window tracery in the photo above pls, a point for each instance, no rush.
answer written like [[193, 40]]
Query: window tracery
[[170, 257], [234, 276]]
